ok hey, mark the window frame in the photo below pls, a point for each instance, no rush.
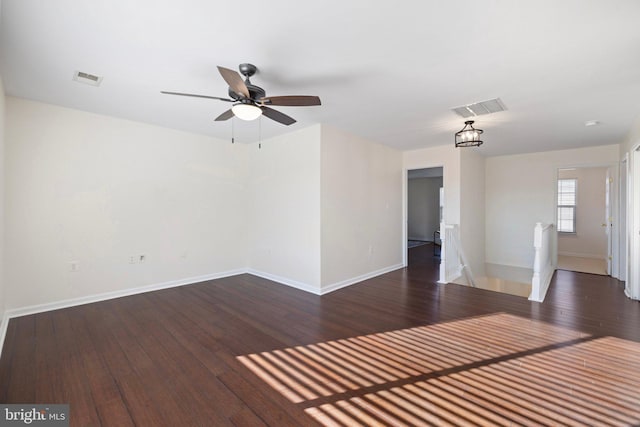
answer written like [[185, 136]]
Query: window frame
[[574, 207]]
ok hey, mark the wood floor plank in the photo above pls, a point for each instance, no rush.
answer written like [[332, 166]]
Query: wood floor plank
[[148, 394], [110, 406], [48, 368], [247, 418], [70, 381], [173, 361], [6, 360], [272, 409], [23, 376]]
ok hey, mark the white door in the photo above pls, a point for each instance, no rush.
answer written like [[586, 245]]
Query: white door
[[608, 219], [633, 279]]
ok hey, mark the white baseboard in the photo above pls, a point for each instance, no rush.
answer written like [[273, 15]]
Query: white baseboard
[[454, 276], [3, 330], [285, 281], [347, 282], [628, 295], [500, 264], [545, 282], [581, 255], [40, 308]]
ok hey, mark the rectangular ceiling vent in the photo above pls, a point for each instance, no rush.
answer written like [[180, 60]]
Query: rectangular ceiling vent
[[480, 108], [90, 79]]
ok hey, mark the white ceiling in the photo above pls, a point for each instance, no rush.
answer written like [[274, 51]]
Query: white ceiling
[[389, 72]]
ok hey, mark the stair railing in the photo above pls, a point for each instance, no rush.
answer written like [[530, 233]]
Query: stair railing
[[453, 262]]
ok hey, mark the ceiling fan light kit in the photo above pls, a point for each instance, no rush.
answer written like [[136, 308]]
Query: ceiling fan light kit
[[246, 111], [250, 101], [468, 136]]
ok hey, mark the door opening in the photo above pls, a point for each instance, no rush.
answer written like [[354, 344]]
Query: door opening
[[584, 220], [424, 214]]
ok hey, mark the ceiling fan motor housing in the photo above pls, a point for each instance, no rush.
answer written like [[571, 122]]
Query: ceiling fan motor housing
[[255, 92]]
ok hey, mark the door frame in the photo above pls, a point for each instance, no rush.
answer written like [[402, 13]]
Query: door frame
[[405, 205], [623, 214], [614, 166]]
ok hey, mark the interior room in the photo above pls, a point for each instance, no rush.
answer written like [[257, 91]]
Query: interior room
[[207, 212], [424, 207]]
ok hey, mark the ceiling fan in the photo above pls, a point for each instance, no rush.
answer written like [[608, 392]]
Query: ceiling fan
[[250, 101]]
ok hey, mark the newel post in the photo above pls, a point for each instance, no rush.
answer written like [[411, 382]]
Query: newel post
[[443, 256]]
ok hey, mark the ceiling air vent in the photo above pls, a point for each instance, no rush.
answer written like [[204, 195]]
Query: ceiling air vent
[[479, 108], [90, 79]]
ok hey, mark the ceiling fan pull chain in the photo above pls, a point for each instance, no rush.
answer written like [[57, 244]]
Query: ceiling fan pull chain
[[260, 132], [233, 130]]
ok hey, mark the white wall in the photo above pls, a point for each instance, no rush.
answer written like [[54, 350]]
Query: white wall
[[590, 239], [97, 190], [284, 208], [423, 207], [2, 205], [324, 208], [520, 191], [94, 191], [472, 209], [361, 203]]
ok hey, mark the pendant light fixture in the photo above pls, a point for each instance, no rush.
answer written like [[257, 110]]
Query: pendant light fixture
[[468, 136]]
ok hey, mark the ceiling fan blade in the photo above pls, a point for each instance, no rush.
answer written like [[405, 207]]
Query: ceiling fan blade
[[234, 80], [196, 96], [292, 100], [277, 116], [224, 116]]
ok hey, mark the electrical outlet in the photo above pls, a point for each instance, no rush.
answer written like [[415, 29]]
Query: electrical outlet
[[74, 266], [133, 259], [142, 258]]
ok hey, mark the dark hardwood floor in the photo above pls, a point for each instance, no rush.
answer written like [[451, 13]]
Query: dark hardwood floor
[[395, 349]]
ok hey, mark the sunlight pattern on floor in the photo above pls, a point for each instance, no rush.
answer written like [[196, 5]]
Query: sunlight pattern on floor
[[323, 369], [590, 383], [491, 370]]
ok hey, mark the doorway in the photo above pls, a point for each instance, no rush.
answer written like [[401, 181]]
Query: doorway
[[584, 213], [424, 213]]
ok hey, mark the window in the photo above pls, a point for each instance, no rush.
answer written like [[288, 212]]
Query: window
[[567, 189]]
